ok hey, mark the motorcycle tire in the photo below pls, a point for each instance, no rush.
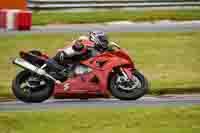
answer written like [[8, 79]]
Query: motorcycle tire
[[38, 96], [117, 92]]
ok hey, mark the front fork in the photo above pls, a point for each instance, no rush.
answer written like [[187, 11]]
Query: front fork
[[127, 73]]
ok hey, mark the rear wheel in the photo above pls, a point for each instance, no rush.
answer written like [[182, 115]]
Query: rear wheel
[[124, 89], [31, 88]]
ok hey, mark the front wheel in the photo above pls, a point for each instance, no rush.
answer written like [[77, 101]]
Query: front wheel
[[124, 89], [31, 88]]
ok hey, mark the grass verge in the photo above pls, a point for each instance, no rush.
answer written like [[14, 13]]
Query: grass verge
[[170, 61], [113, 15], [126, 120]]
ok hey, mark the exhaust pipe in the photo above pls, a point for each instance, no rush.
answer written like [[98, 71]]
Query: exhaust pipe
[[26, 65]]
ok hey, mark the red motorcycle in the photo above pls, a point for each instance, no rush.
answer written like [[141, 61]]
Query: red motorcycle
[[104, 75]]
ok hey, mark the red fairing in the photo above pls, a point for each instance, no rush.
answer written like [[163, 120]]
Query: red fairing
[[95, 83]]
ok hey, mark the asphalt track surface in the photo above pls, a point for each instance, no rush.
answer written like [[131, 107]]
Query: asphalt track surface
[[146, 101], [161, 26]]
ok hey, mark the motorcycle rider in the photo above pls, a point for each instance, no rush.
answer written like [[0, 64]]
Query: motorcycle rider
[[82, 48]]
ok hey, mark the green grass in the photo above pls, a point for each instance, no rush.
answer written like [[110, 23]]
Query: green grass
[[91, 120], [113, 15], [170, 61]]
